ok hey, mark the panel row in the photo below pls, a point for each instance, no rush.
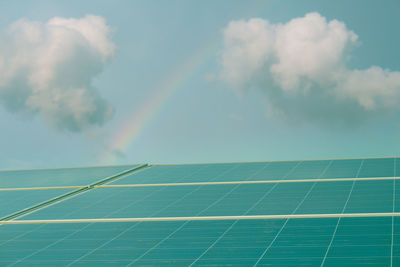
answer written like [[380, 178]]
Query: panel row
[[225, 200], [15, 201], [58, 177], [383, 167], [311, 242]]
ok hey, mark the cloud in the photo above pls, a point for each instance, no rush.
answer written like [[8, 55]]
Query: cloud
[[48, 68], [302, 67]]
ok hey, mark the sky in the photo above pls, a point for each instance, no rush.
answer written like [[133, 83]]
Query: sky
[[123, 82]]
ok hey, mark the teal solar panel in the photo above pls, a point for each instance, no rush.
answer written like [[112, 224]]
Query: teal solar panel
[[397, 196], [182, 173], [356, 242], [351, 222], [225, 200], [309, 169], [58, 177], [14, 201], [256, 171], [343, 168], [377, 168]]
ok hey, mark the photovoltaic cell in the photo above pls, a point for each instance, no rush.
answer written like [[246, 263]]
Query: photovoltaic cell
[[179, 173], [358, 241], [377, 168], [284, 170], [58, 177], [373, 241], [397, 196], [14, 201], [224, 200], [343, 168], [309, 169]]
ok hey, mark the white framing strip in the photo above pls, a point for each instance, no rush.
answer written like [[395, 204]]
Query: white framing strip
[[209, 218], [249, 182], [206, 183]]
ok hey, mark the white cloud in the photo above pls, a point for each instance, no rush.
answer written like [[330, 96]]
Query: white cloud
[[309, 48], [373, 88], [248, 46], [47, 68], [301, 65]]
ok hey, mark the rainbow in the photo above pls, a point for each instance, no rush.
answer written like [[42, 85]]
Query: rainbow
[[126, 135]]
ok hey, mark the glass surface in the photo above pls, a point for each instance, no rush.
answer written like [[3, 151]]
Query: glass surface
[[15, 201], [278, 170], [294, 242], [220, 200], [357, 241], [58, 177]]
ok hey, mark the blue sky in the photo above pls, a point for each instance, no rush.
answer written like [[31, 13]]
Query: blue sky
[[272, 80]]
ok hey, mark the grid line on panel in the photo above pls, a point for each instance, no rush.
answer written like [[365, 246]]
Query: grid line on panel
[[44, 204], [393, 209], [343, 209], [209, 218], [63, 178], [133, 226], [250, 182], [10, 200], [292, 170], [60, 240], [234, 223], [119, 176], [284, 224], [70, 194], [207, 183], [185, 220], [337, 224], [231, 226], [293, 212], [236, 218], [247, 211], [79, 230], [70, 213], [179, 228]]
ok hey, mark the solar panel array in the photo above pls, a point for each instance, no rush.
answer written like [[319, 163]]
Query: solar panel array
[[284, 213]]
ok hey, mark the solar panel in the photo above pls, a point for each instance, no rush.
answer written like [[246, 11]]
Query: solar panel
[[377, 167], [280, 170], [224, 200], [14, 201], [357, 241], [58, 177], [325, 212]]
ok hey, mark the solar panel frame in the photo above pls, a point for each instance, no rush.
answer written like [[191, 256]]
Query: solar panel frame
[[266, 171], [14, 201], [327, 197], [245, 234], [348, 237], [58, 177]]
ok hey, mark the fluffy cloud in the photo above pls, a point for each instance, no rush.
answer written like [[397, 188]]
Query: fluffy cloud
[[47, 68], [301, 65]]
